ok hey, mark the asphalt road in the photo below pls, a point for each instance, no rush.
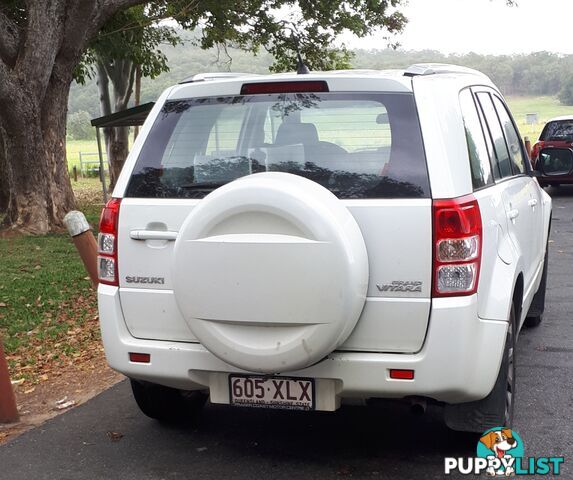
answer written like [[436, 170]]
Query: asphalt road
[[386, 442]]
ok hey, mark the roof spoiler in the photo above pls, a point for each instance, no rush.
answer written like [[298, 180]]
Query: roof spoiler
[[437, 68], [208, 77]]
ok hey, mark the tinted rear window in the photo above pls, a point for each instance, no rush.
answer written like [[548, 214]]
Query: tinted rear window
[[558, 131], [356, 145]]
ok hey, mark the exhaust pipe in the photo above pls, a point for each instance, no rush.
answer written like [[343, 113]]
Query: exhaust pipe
[[418, 405]]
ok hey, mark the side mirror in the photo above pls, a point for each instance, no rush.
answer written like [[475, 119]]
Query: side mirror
[[555, 161]]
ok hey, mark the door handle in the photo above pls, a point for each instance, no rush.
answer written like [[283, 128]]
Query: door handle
[[513, 214], [153, 235], [532, 202]]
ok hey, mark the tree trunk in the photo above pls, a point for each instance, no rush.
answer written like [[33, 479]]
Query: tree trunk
[[37, 60], [121, 73], [40, 190], [4, 196], [118, 150], [137, 99]]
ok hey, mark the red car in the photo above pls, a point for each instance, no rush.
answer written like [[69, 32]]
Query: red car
[[557, 134]]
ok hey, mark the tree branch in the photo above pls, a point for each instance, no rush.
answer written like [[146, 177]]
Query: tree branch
[[103, 87], [106, 9], [129, 86]]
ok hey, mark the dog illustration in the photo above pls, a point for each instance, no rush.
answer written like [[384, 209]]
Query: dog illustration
[[499, 442]]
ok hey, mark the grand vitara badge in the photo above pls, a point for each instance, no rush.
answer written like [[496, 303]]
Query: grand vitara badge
[[149, 280], [401, 286]]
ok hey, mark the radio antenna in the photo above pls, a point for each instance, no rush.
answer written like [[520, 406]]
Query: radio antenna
[[301, 68]]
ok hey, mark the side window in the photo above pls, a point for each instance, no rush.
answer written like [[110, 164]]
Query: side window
[[502, 157], [489, 144], [511, 136], [477, 149]]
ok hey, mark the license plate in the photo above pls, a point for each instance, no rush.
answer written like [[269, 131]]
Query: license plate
[[272, 392]]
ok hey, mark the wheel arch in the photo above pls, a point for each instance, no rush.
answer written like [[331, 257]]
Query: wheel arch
[[517, 299]]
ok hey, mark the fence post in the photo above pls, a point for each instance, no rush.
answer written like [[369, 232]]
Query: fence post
[[8, 408], [85, 242], [527, 146], [75, 172]]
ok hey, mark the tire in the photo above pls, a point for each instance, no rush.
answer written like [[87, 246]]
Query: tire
[[535, 313], [166, 404], [498, 407]]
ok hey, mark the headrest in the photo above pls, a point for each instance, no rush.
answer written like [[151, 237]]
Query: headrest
[[292, 133]]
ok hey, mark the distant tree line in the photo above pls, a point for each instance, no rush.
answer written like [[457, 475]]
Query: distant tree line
[[540, 73]]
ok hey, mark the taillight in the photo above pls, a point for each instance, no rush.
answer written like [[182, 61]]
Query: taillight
[[107, 243], [284, 87], [457, 246]]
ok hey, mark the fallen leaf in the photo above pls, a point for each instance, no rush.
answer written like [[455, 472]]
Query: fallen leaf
[[115, 436], [30, 390]]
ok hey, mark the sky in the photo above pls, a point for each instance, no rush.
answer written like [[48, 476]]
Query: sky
[[484, 26]]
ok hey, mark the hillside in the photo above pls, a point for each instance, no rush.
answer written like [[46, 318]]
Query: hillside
[[536, 74]]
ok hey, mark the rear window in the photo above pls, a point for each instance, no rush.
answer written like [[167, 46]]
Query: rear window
[[558, 131], [355, 145]]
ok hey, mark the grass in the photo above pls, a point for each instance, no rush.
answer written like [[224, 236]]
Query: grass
[[44, 289], [40, 276], [74, 147], [545, 107]]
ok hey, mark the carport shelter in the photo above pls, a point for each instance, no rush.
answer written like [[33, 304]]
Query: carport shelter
[[132, 117]]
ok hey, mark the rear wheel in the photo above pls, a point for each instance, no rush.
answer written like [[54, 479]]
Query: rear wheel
[[167, 404], [497, 408]]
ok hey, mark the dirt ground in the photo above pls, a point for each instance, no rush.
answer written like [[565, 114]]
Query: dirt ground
[[69, 368], [72, 387], [54, 385]]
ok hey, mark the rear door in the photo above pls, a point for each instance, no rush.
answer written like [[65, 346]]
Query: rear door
[[365, 148], [520, 193]]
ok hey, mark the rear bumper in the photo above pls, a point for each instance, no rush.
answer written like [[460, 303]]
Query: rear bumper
[[459, 361]]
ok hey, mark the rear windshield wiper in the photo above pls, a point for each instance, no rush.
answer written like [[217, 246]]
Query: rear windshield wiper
[[203, 185]]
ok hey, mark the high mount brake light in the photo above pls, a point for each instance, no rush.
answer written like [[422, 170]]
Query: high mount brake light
[[457, 246], [107, 243], [315, 86]]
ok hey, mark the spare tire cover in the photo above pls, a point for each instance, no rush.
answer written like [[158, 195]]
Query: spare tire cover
[[270, 272]]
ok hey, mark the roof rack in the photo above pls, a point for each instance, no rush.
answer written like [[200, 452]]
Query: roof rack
[[206, 77], [436, 68]]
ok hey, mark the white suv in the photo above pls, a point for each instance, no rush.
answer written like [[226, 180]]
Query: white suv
[[294, 241]]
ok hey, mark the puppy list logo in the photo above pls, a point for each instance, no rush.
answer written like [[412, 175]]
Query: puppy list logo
[[500, 453]]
